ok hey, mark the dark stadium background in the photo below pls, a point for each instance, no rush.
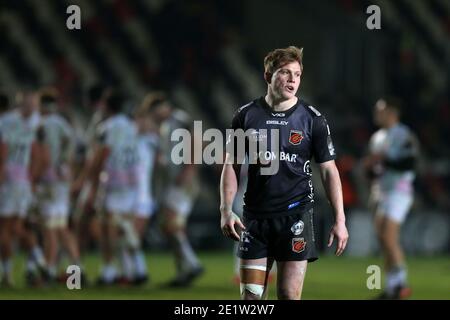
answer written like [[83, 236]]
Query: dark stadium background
[[208, 56]]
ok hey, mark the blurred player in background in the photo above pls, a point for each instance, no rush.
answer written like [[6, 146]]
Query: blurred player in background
[[179, 191], [278, 211], [53, 187], [390, 165], [147, 149], [148, 144], [87, 225], [20, 168], [113, 165], [4, 107]]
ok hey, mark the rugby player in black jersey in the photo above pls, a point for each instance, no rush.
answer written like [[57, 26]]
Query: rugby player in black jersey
[[277, 220]]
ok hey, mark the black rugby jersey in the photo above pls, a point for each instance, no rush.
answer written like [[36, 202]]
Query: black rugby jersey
[[303, 134]]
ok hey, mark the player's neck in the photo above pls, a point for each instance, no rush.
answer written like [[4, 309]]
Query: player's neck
[[280, 105], [391, 124]]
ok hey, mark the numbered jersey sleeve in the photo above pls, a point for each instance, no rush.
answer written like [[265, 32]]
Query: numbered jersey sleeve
[[322, 144]]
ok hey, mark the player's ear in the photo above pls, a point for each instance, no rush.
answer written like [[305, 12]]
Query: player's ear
[[268, 77]]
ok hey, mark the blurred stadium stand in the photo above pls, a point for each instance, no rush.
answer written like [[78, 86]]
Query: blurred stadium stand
[[208, 55]]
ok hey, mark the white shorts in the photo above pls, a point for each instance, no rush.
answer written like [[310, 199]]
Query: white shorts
[[144, 208], [395, 205], [120, 201], [54, 200], [15, 199], [179, 200]]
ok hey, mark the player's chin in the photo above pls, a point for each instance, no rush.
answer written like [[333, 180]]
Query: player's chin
[[287, 94]]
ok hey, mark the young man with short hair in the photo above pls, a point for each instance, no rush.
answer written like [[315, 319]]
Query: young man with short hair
[[278, 208]]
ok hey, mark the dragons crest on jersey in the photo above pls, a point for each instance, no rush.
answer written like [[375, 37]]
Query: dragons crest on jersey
[[295, 137]]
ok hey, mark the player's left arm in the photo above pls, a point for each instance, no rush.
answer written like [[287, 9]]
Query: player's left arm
[[100, 154], [187, 174], [324, 154], [332, 185]]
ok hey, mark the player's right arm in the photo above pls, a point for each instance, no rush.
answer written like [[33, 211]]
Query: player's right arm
[[189, 171], [229, 183], [228, 190], [86, 165], [96, 164]]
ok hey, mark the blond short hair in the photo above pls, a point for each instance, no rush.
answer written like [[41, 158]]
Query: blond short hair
[[280, 57]]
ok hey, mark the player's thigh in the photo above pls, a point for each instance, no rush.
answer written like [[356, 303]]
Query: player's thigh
[[15, 199], [178, 200], [386, 228], [6, 227], [290, 278], [141, 223], [254, 274], [379, 221], [18, 227], [391, 230]]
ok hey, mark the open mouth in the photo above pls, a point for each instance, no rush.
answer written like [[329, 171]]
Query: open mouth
[[290, 88]]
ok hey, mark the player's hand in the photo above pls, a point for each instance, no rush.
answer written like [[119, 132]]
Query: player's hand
[[228, 224], [339, 230]]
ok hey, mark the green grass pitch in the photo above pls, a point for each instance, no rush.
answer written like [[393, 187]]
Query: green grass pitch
[[328, 278]]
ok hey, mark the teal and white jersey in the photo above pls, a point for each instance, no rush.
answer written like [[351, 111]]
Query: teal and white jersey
[[400, 149], [57, 131], [120, 135], [18, 133]]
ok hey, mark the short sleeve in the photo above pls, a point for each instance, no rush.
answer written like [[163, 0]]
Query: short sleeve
[[323, 148], [236, 124]]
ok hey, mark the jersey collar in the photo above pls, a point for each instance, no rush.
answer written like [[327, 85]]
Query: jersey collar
[[277, 114]]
